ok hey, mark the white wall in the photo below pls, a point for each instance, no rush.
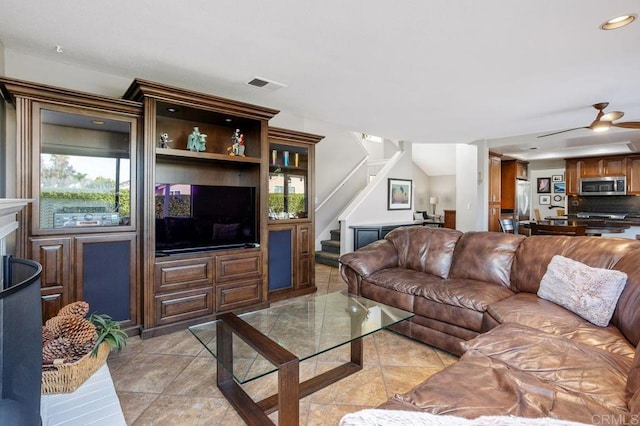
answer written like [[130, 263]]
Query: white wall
[[31, 68], [443, 187], [421, 189], [375, 149], [467, 194]]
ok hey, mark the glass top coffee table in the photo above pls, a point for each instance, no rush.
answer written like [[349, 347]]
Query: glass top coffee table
[[252, 345]]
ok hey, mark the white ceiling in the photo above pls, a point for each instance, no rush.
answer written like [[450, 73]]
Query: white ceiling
[[448, 71]]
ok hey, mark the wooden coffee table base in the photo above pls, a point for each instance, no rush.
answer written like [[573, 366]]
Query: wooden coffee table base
[[290, 390]]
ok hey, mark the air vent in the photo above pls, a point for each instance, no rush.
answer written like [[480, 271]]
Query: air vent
[[266, 84]]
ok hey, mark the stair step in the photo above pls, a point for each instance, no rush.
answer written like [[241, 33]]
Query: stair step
[[326, 258], [331, 246], [335, 234]]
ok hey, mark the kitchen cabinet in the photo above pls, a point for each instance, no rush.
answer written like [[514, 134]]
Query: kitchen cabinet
[[522, 170], [613, 166], [571, 177], [633, 175], [589, 167], [494, 217], [511, 172], [495, 178]]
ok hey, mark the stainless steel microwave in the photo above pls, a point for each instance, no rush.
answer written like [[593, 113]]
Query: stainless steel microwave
[[608, 185]]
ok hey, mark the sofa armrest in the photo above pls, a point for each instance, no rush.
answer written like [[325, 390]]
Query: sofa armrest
[[360, 264]]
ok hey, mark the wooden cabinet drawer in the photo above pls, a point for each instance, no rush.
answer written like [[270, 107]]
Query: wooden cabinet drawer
[[232, 296], [184, 305], [233, 267], [183, 274]]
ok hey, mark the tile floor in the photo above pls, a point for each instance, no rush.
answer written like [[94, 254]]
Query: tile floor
[[170, 380]]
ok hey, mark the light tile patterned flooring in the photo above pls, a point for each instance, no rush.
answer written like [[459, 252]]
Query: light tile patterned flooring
[[170, 380]]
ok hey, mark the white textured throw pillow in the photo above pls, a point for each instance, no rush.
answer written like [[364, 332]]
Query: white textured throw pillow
[[589, 292]]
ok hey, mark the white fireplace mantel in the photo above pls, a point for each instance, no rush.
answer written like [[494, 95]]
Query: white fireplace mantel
[[9, 207]]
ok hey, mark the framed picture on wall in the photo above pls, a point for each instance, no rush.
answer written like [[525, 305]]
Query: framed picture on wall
[[558, 187], [545, 200], [399, 193], [557, 178], [544, 185]]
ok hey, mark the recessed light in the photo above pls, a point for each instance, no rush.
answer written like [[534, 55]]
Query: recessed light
[[228, 120], [618, 22], [172, 109], [97, 122]]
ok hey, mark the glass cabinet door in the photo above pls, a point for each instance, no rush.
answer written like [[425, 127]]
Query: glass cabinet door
[[86, 174], [288, 186]]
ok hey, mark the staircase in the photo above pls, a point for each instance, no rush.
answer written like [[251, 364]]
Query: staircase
[[330, 250]]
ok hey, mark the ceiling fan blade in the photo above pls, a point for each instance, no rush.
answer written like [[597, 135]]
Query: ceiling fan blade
[[561, 131], [612, 116], [628, 125]]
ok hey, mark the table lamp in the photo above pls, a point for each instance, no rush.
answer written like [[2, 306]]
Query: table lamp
[[433, 201]]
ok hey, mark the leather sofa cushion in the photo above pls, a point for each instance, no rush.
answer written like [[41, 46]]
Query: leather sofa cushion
[[485, 256], [403, 280], [547, 382], [535, 253], [574, 367], [464, 293], [477, 386], [456, 301], [528, 309], [387, 296], [425, 249], [456, 315]]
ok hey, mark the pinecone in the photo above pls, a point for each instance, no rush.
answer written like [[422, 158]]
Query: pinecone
[[58, 348], [47, 335], [77, 330], [75, 309]]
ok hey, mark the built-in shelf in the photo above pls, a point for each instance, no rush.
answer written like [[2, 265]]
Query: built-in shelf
[[173, 153], [276, 168]]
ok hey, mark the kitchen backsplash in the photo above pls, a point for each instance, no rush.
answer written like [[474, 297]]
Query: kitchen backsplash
[[605, 204]]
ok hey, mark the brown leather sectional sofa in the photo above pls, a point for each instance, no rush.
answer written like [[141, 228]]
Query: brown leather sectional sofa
[[475, 295]]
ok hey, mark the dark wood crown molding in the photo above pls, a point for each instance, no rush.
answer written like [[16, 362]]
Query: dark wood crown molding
[[293, 135], [139, 89], [12, 88]]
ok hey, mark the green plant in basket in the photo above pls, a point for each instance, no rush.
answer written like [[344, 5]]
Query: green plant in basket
[[108, 331]]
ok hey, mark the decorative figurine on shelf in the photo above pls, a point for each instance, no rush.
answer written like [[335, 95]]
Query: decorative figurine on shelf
[[164, 140], [196, 141], [237, 144]]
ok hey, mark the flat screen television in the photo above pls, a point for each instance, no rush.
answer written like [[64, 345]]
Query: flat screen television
[[204, 217]]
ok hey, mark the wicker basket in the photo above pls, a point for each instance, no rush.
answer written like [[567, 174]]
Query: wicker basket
[[66, 378]]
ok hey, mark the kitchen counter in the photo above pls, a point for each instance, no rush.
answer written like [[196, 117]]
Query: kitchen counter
[[595, 227]]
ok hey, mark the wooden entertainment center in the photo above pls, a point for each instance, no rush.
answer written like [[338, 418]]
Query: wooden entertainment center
[[102, 248]]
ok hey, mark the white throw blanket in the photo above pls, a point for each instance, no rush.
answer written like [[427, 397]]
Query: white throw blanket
[[375, 417]]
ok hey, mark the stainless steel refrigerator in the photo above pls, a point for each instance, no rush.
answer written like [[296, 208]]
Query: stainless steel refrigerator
[[523, 200]]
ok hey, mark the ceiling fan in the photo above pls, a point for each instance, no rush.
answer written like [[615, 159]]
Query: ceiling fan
[[603, 121]]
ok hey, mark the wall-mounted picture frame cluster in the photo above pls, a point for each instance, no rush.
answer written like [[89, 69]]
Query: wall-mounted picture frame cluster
[[399, 192], [551, 185]]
